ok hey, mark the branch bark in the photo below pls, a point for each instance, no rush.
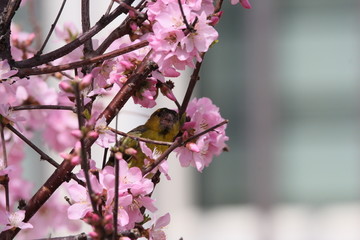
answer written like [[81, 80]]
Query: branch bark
[[48, 57]]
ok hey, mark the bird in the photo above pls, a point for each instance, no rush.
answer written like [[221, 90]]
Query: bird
[[163, 125]]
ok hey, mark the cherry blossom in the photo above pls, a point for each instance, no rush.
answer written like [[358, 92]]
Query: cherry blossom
[[10, 220], [156, 231], [5, 71], [203, 115]]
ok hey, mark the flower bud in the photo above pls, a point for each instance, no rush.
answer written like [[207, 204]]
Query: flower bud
[[66, 86]]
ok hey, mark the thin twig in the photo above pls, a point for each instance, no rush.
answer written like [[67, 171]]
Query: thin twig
[[3, 143], [117, 33], [84, 160], [177, 143], [52, 69], [139, 138], [130, 8], [42, 107], [116, 202], [60, 52], [5, 179], [218, 6], [85, 22], [205, 131], [109, 7], [188, 26], [42, 154], [51, 29], [193, 80]]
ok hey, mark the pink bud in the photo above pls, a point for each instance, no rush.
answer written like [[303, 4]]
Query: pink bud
[[245, 4], [168, 93], [66, 86], [93, 235], [192, 147], [75, 160], [95, 217], [133, 26], [76, 133], [85, 82], [65, 156], [108, 217], [130, 151], [93, 134], [119, 156]]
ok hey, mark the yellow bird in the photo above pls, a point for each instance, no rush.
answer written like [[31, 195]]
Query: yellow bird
[[163, 125]]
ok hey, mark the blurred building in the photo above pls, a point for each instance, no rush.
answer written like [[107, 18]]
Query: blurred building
[[287, 75]]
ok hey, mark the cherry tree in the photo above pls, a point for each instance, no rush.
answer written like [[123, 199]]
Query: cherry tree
[[140, 59]]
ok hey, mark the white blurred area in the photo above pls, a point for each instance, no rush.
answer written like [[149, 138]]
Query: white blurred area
[[288, 78]]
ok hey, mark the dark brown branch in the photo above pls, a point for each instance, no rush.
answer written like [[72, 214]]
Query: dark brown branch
[[5, 179], [84, 159], [42, 107], [85, 22], [42, 154], [48, 57], [193, 80], [3, 145], [117, 33], [52, 69], [129, 88], [116, 201], [8, 9], [109, 7], [51, 29], [139, 138], [81, 236], [218, 6]]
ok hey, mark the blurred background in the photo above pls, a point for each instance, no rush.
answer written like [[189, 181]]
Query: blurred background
[[287, 75]]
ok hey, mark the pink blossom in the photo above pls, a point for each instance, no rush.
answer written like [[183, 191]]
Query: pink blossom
[[13, 220], [156, 232], [5, 70], [202, 38], [203, 115], [147, 94], [68, 33], [80, 196], [106, 137], [244, 3], [9, 117], [152, 156]]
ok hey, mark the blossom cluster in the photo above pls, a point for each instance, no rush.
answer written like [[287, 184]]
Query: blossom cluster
[[174, 34], [133, 195]]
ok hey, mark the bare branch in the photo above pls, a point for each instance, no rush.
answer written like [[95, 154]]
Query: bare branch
[[42, 154], [48, 57], [85, 21], [139, 138], [42, 107], [51, 29], [84, 159], [52, 69]]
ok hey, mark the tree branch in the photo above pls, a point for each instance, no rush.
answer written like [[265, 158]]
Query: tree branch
[[51, 29], [85, 21], [193, 80], [8, 9], [43, 155], [52, 69], [48, 57]]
